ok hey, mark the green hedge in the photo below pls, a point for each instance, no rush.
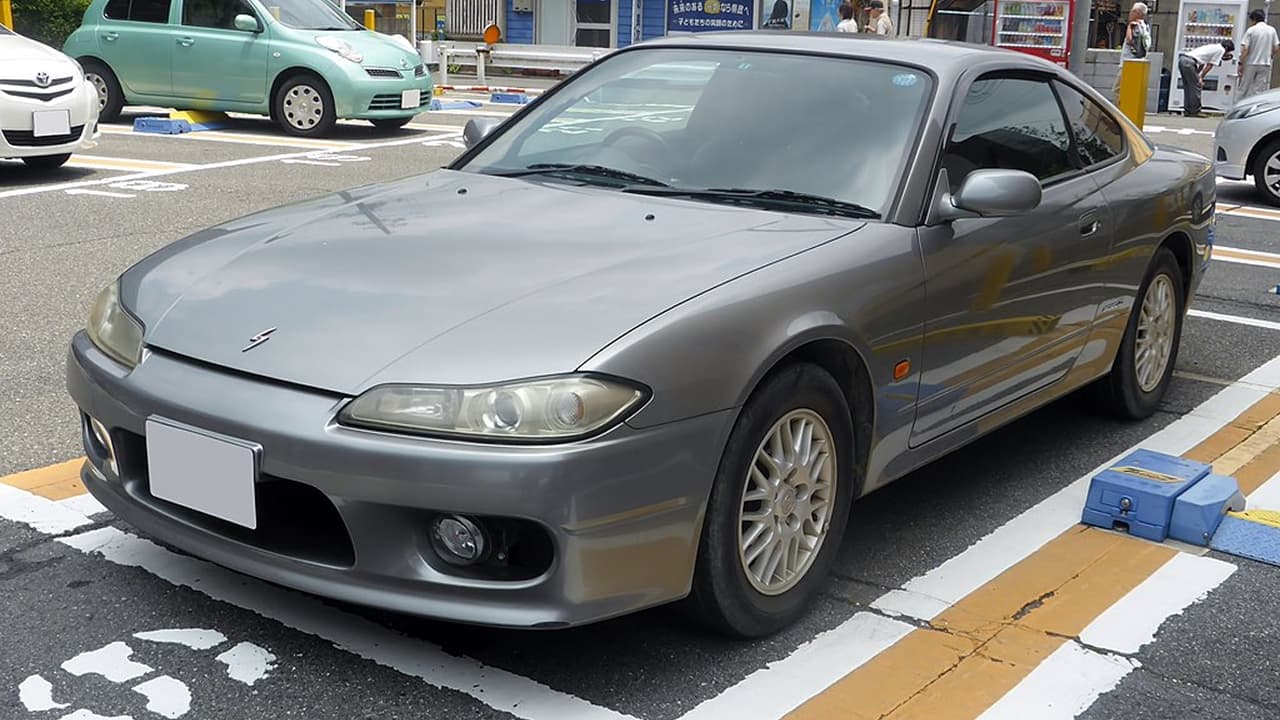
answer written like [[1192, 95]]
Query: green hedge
[[49, 21]]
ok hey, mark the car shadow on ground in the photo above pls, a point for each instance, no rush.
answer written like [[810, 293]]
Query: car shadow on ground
[[14, 174]]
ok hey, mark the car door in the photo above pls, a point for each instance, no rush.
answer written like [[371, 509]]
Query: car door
[[134, 40], [214, 61], [1010, 301]]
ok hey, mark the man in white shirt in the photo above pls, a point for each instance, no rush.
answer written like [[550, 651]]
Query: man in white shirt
[[1258, 46], [880, 23], [847, 23], [1193, 65]]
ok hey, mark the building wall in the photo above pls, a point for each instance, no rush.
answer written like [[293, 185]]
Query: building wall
[[519, 26]]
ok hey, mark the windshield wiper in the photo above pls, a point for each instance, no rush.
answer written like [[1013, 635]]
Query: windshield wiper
[[767, 199], [590, 170]]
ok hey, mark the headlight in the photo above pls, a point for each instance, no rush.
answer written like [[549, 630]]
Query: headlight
[[558, 408], [341, 47], [1254, 109], [112, 329]]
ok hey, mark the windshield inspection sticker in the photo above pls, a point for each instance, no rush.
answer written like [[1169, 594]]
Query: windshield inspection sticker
[[905, 79], [166, 696]]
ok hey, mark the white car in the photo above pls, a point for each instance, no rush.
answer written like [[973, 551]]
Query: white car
[[1247, 142], [47, 108]]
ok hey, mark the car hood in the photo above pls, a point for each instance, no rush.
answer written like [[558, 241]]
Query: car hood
[[378, 49], [19, 53], [450, 278]]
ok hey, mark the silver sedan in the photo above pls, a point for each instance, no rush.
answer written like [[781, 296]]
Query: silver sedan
[[648, 339], [1247, 143]]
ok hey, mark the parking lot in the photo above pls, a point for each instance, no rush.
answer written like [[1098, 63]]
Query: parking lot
[[966, 589]]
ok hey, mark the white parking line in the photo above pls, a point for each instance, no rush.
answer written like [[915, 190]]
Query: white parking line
[[1237, 319], [1246, 257], [98, 162], [786, 683], [496, 688], [59, 187]]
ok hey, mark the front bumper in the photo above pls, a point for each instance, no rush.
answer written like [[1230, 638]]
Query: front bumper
[[16, 124], [370, 98], [1232, 143], [623, 511]]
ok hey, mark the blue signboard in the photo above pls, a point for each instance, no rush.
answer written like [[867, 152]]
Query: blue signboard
[[824, 15], [704, 15]]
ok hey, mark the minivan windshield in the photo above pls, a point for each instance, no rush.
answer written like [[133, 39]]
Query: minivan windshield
[[802, 132], [310, 15]]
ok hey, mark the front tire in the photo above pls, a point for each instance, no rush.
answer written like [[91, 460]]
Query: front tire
[[304, 106], [1143, 367], [778, 506], [1266, 173], [45, 163], [110, 96]]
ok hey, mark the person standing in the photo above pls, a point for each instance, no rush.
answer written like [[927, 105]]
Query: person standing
[[880, 23], [1137, 40], [1258, 46], [1193, 65], [847, 23]]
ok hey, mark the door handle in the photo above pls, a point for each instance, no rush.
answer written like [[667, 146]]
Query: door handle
[[1088, 225], [186, 41], [110, 36]]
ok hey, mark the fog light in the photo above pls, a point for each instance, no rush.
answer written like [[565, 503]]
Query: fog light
[[104, 440], [458, 540]]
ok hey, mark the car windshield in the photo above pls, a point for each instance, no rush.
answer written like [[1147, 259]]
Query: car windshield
[[746, 127], [310, 15]]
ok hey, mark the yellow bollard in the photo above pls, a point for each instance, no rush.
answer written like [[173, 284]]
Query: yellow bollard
[[369, 18], [6, 14], [1132, 97]]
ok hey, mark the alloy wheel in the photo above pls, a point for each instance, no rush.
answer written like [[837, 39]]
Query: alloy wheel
[[787, 502], [1271, 174], [1154, 342]]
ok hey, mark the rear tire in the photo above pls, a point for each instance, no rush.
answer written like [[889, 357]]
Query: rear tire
[[110, 96], [45, 163], [1266, 173], [1143, 367], [738, 589], [389, 124], [304, 106]]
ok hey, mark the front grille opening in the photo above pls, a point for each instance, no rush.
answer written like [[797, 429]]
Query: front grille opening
[[518, 550], [383, 72], [391, 101], [27, 138], [294, 519]]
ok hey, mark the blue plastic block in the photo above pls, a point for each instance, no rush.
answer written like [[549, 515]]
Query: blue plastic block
[[1198, 510], [1138, 492], [163, 126], [1253, 540], [436, 104], [504, 97]]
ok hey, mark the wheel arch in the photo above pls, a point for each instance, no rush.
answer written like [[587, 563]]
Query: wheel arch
[[1179, 243], [1254, 151], [288, 74]]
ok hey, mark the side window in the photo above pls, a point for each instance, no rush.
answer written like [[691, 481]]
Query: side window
[[1098, 135], [213, 13], [1009, 123], [117, 10], [151, 11]]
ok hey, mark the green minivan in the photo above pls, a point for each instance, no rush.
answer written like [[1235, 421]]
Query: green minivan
[[304, 63]]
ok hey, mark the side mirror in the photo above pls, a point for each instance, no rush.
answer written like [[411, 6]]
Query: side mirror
[[247, 23], [993, 193], [478, 129]]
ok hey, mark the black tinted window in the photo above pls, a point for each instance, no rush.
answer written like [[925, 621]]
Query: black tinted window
[[1009, 124], [1098, 135], [153, 11], [214, 13]]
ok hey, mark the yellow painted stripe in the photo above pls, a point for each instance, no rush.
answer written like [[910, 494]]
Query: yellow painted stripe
[[55, 482], [979, 649], [97, 162], [1260, 213]]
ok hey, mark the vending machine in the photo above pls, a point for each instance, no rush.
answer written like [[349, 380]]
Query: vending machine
[[1041, 28], [1201, 23]]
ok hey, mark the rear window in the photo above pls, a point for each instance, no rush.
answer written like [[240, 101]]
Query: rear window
[[152, 11]]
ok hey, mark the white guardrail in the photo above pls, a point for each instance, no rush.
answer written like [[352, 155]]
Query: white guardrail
[[563, 59]]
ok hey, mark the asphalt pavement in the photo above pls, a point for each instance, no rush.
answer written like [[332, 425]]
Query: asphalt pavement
[[85, 595]]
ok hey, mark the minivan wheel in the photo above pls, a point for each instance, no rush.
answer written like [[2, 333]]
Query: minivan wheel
[[304, 106], [1266, 172], [778, 506], [1143, 367], [110, 96]]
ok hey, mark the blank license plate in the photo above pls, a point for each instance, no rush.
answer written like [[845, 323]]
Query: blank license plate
[[207, 474], [410, 98], [45, 123]]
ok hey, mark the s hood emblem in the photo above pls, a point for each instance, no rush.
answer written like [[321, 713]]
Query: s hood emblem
[[258, 339], [42, 80]]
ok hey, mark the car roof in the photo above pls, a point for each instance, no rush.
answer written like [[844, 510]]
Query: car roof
[[941, 56]]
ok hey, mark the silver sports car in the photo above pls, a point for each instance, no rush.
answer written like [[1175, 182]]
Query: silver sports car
[[648, 339]]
